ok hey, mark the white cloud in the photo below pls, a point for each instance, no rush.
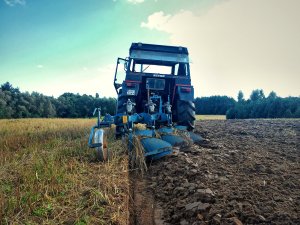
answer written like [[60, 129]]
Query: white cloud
[[238, 45], [158, 21], [15, 2], [135, 1], [40, 66]]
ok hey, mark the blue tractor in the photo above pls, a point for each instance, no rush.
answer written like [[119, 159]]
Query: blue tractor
[[154, 74], [154, 88]]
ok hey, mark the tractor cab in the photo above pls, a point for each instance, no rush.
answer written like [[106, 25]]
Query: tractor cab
[[152, 61]]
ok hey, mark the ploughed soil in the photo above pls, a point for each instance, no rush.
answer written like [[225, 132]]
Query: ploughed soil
[[245, 172]]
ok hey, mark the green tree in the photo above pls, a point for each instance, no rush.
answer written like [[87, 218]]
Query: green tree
[[256, 95], [287, 114], [272, 95], [49, 109], [297, 112], [241, 97]]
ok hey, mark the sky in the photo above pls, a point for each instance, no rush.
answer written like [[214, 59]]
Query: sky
[[57, 46]]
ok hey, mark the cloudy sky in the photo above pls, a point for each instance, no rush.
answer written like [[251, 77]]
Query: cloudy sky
[[57, 46]]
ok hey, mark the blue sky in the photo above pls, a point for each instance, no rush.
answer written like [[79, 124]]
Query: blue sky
[[71, 45]]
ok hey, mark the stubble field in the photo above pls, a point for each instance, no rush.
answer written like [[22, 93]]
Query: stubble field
[[48, 175]]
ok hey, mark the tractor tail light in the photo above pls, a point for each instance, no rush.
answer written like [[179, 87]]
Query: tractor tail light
[[186, 89], [130, 84]]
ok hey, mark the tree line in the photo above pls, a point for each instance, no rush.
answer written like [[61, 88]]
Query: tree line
[[259, 106], [213, 105], [17, 104]]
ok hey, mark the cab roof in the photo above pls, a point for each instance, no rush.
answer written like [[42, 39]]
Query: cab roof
[[158, 48]]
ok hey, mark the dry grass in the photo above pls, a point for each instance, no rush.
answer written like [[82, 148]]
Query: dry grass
[[210, 117], [48, 175]]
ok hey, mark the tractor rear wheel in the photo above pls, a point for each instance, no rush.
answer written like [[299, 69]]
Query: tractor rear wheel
[[121, 104], [186, 114], [121, 107]]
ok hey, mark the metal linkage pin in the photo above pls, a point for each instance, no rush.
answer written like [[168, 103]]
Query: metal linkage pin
[[129, 106]]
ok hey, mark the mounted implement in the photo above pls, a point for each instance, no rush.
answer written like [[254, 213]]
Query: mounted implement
[[154, 88]]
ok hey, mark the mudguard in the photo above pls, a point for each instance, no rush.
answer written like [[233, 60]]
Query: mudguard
[[185, 93], [130, 89]]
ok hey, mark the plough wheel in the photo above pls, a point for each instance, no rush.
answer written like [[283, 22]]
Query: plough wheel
[[102, 152]]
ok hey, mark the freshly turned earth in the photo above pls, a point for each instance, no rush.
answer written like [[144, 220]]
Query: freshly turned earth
[[246, 172]]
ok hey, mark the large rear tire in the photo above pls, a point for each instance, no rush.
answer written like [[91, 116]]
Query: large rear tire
[[121, 104], [121, 107], [186, 114]]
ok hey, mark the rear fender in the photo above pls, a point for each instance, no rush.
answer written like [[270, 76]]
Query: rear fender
[[130, 89], [185, 93]]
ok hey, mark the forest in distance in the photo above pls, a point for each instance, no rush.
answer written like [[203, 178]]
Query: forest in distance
[[17, 104]]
